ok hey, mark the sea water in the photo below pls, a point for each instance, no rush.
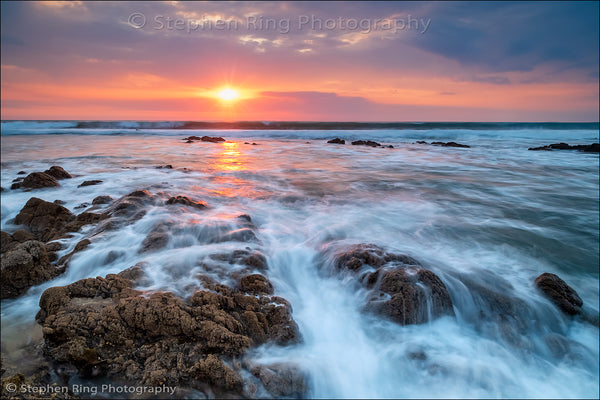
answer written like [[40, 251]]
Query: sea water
[[495, 215]]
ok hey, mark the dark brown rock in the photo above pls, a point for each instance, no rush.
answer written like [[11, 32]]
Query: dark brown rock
[[365, 143], [337, 141], [46, 220], [590, 148], [102, 200], [401, 288], [450, 144], [186, 201], [90, 183], [24, 266], [561, 294], [58, 173], [105, 328], [256, 284], [282, 380], [212, 139], [154, 241], [37, 180]]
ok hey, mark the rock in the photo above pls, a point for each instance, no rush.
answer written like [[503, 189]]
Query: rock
[[337, 141], [187, 202], [90, 183], [213, 139], [401, 288], [58, 173], [365, 143], [237, 235], [105, 328], [282, 380], [256, 284], [45, 220], [390, 146], [591, 148], [60, 202], [561, 294], [102, 200], [83, 205], [81, 245], [450, 144], [21, 173], [421, 142], [36, 180], [24, 266], [168, 166], [154, 241]]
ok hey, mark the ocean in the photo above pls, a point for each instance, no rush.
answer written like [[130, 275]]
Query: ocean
[[492, 216]]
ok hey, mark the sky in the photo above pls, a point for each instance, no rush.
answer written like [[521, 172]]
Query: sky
[[300, 61]]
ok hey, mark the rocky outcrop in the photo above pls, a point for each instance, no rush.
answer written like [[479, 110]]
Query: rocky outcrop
[[365, 143], [99, 200], [103, 327], [90, 183], [46, 220], [58, 172], [561, 294], [445, 144], [186, 201], [590, 148], [25, 265], [401, 288], [213, 139], [36, 180], [337, 141]]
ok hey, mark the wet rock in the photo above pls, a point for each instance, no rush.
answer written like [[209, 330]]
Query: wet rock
[[168, 166], [450, 144], [154, 241], [90, 183], [83, 205], [282, 380], [36, 180], [105, 328], [256, 284], [21, 173], [590, 148], [421, 142], [81, 245], [561, 294], [365, 143], [24, 266], [401, 288], [186, 201], [58, 173], [237, 235], [45, 220], [337, 141], [102, 200], [60, 202], [9, 241], [213, 139]]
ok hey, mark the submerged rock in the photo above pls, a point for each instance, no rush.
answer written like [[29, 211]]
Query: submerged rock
[[90, 183], [58, 172], [337, 141], [365, 143], [103, 327], [401, 288], [561, 294], [450, 144], [186, 201], [591, 148]]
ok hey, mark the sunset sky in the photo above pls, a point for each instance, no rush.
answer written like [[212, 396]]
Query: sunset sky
[[301, 61]]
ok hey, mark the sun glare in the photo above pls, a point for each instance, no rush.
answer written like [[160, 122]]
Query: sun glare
[[228, 94]]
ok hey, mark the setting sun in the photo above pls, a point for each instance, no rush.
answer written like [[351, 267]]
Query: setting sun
[[228, 94]]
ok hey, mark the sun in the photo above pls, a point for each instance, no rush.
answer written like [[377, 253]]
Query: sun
[[228, 94]]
